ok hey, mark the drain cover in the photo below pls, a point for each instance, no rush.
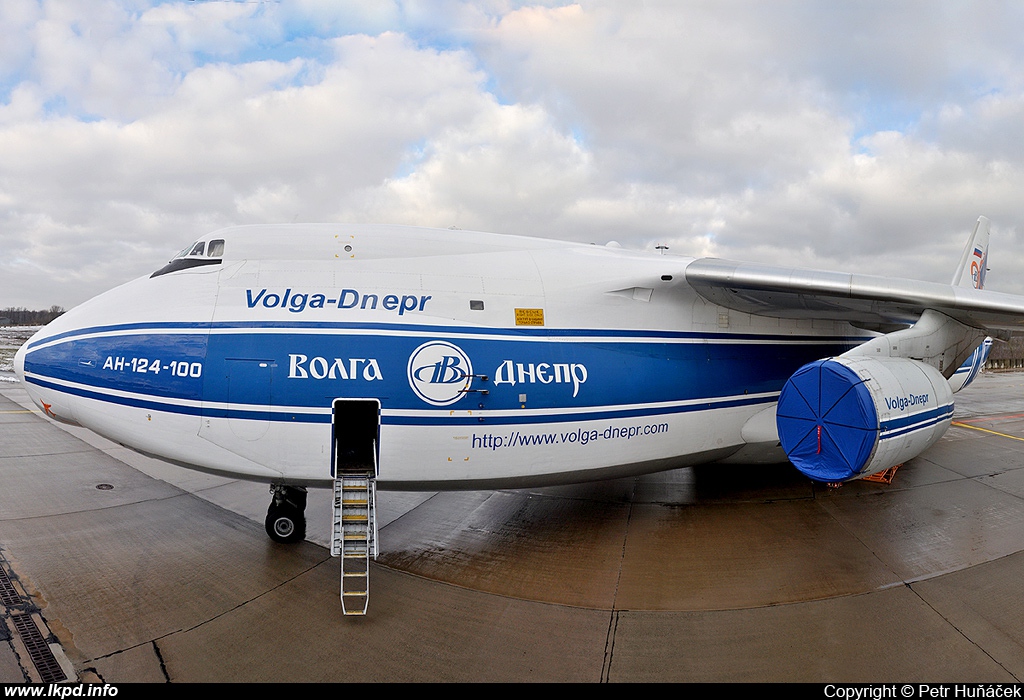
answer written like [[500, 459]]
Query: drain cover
[[38, 650]]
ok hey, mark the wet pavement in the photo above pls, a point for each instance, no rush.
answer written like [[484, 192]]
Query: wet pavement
[[703, 574]]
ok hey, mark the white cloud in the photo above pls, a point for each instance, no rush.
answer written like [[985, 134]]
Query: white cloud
[[508, 168], [857, 134]]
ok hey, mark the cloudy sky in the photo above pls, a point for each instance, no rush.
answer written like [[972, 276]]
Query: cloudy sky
[[863, 136]]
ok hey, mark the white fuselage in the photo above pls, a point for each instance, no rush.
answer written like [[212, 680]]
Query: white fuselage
[[497, 360]]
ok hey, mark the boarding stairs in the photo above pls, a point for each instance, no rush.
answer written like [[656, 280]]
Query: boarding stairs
[[354, 537], [355, 428]]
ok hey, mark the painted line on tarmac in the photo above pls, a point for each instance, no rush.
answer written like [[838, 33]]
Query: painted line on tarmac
[[991, 418], [986, 430]]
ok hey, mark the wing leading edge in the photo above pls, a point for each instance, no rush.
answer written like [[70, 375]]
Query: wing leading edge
[[866, 299]]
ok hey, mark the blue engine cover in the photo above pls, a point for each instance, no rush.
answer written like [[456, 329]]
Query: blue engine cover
[[851, 416], [827, 421]]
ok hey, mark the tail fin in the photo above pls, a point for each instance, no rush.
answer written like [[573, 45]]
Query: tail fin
[[971, 273], [973, 263]]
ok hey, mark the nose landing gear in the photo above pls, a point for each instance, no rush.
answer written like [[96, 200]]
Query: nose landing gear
[[286, 516]]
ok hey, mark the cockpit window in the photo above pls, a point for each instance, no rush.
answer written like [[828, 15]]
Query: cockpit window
[[192, 256]]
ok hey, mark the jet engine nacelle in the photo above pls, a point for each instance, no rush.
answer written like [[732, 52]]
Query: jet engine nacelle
[[848, 417]]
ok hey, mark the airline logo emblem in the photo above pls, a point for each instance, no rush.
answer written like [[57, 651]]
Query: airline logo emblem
[[439, 372], [978, 269]]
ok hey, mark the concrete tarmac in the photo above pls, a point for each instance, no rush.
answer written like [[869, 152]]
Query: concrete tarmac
[[134, 570]]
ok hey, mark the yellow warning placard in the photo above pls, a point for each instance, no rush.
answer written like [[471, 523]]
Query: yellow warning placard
[[529, 317]]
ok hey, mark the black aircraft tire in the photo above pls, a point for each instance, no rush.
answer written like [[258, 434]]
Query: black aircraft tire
[[285, 524]]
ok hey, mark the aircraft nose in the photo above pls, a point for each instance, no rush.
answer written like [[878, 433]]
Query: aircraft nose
[[50, 399], [19, 364]]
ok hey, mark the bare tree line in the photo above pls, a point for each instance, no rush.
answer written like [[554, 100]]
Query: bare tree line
[[20, 316]]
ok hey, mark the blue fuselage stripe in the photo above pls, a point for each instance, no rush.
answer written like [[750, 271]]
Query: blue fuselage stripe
[[246, 373], [423, 329], [438, 417]]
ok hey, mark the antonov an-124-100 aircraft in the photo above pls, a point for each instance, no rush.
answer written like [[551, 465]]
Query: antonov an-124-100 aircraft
[[352, 356]]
